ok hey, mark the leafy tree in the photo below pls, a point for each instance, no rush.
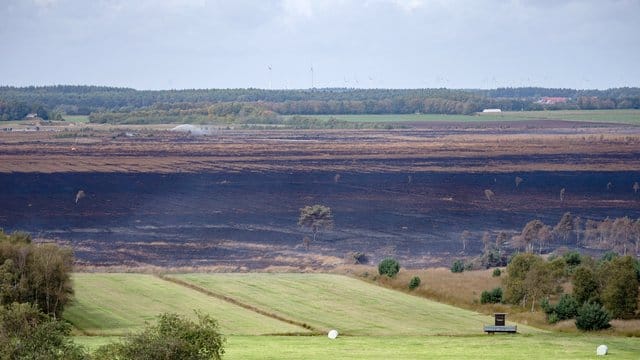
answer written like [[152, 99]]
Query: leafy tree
[[173, 337], [27, 333], [389, 267], [36, 273], [414, 282], [316, 218], [457, 266], [592, 316], [585, 286], [530, 278], [517, 269], [572, 258], [619, 283]]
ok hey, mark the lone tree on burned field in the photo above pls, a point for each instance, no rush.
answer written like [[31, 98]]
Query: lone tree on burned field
[[316, 218]]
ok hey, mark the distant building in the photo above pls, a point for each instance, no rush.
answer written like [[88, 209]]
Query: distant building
[[552, 100], [31, 116], [491, 110]]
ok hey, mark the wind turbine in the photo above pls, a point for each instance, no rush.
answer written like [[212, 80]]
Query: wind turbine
[[311, 77], [269, 67]]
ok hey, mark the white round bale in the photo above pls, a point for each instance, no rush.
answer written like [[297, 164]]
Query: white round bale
[[333, 334], [602, 350]]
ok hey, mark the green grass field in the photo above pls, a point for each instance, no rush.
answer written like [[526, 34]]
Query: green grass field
[[114, 304], [609, 116], [374, 322], [352, 306], [496, 347], [77, 118]]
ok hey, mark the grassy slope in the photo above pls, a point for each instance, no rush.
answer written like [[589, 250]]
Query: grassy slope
[[429, 347], [111, 304], [615, 116], [539, 346], [349, 305]]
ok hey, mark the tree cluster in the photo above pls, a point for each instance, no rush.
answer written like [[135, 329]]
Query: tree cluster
[[611, 283], [34, 288], [34, 273], [621, 235]]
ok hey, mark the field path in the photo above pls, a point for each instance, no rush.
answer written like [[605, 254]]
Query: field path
[[233, 301]]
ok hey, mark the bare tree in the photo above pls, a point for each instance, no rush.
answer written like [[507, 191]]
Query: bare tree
[[564, 227], [489, 194], [577, 228], [518, 180], [530, 234], [464, 238], [622, 231], [486, 241], [80, 195], [501, 239]]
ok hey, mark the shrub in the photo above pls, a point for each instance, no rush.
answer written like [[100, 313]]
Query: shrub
[[592, 316], [414, 282], [457, 266], [28, 333], [359, 258], [572, 258], [389, 267], [491, 297], [553, 318], [496, 272], [173, 337], [567, 307]]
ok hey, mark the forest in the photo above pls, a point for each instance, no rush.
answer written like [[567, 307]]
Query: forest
[[118, 105]]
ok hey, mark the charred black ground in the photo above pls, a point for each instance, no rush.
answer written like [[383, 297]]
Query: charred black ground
[[249, 219]]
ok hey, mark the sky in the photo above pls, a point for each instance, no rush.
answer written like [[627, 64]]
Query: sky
[[285, 44]]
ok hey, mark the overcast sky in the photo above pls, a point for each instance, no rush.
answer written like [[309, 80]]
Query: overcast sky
[[176, 44]]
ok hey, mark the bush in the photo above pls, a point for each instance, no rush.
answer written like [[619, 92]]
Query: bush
[[457, 266], [414, 282], [491, 297], [28, 333], [359, 258], [496, 272], [592, 316], [389, 267], [567, 307], [173, 337]]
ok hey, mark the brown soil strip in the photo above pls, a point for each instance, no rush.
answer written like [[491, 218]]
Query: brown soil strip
[[239, 303]]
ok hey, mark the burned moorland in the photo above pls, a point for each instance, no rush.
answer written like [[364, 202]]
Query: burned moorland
[[231, 199]]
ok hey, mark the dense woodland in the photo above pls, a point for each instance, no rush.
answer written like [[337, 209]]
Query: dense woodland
[[113, 105]]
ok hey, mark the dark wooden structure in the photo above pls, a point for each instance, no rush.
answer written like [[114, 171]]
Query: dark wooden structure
[[500, 325]]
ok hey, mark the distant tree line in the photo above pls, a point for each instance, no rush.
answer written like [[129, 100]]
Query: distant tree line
[[621, 235], [113, 104]]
